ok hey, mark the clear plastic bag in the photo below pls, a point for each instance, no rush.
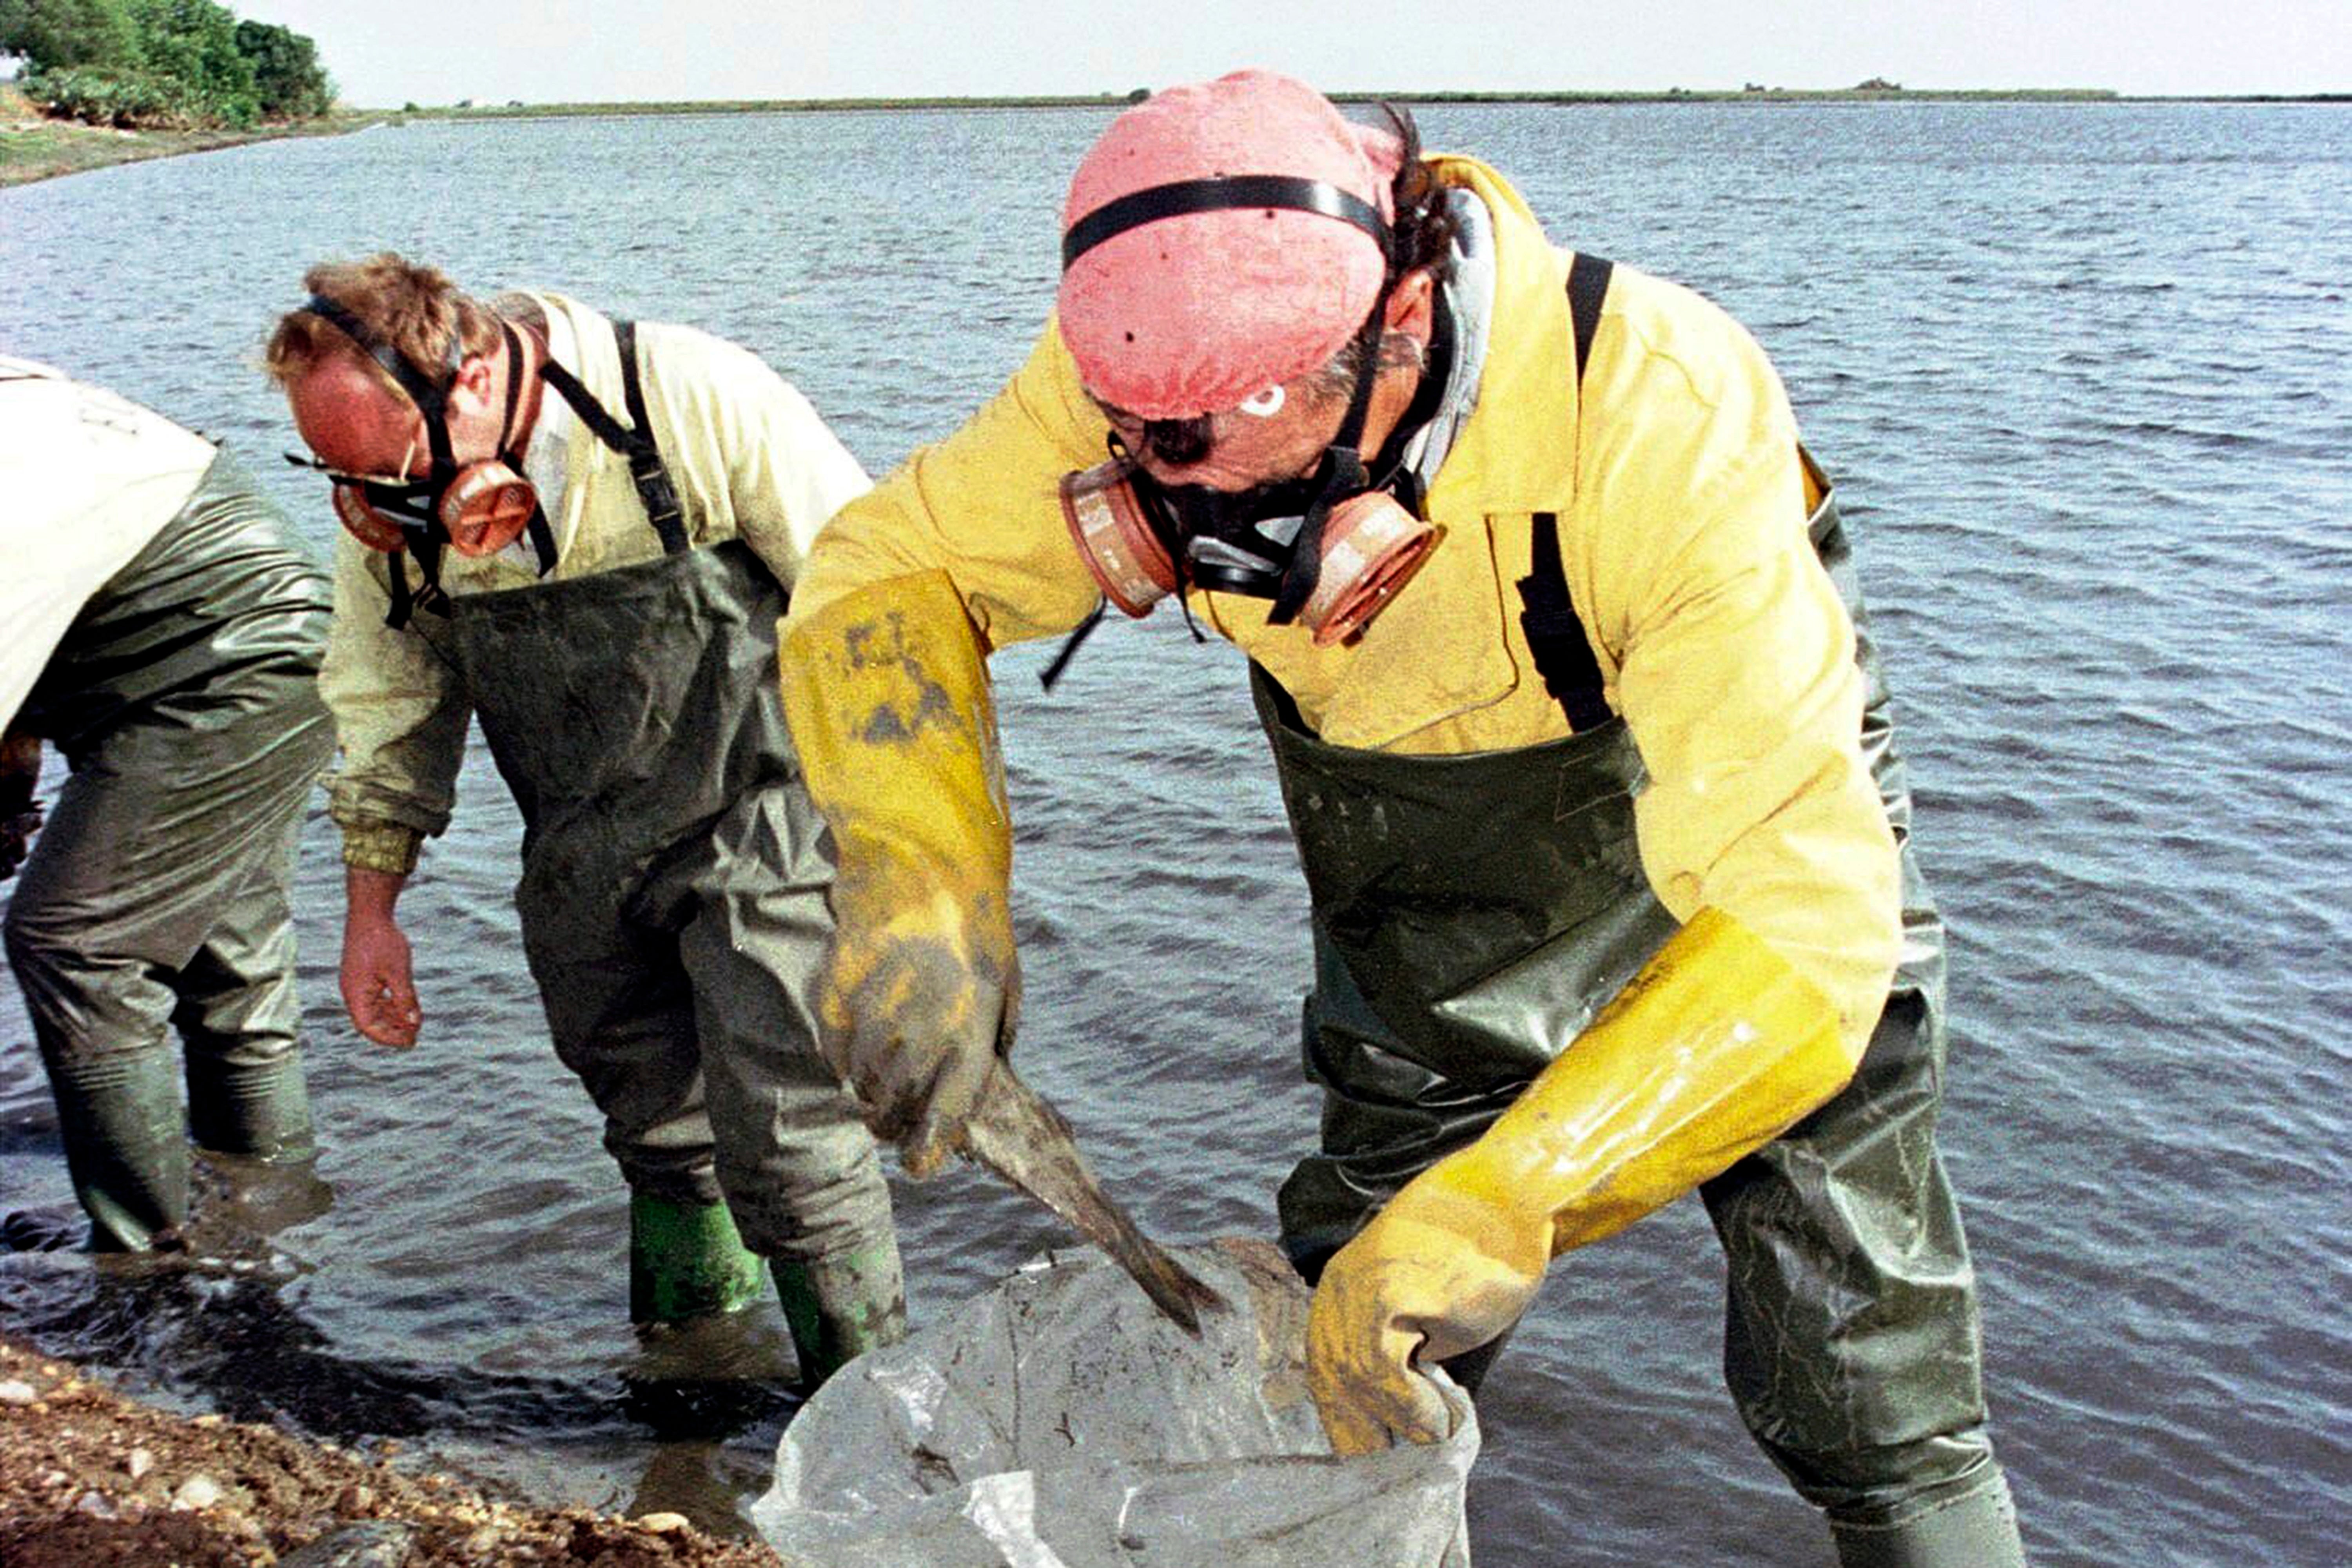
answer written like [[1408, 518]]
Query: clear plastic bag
[[1060, 1422]]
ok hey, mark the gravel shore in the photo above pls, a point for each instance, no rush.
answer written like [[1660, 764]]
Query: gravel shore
[[90, 1476]]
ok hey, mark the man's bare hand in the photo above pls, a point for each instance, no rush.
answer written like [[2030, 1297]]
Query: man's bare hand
[[20, 813], [378, 990]]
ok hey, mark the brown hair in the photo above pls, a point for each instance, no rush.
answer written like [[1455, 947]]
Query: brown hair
[[414, 309], [1424, 224]]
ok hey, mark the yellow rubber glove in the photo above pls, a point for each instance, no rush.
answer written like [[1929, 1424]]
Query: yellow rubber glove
[[1715, 1048], [886, 694]]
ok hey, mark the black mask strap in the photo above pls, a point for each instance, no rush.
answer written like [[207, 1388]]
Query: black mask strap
[[431, 397], [1069, 649], [432, 400], [1219, 194], [1155, 510], [543, 538], [1174, 529], [406, 601], [1341, 475]]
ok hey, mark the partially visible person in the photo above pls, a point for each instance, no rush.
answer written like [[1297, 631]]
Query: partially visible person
[[580, 532], [166, 637]]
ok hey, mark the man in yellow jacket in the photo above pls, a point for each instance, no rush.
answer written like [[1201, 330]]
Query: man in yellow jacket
[[580, 533], [1554, 639]]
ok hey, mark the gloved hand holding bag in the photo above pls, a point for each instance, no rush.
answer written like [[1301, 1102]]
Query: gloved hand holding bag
[[1715, 1047]]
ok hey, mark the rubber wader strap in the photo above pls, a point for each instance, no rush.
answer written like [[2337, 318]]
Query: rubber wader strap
[[1587, 285], [1555, 636], [645, 469], [407, 601], [404, 603], [543, 538], [644, 458]]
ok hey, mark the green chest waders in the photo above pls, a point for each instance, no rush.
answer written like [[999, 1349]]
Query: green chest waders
[[674, 912], [185, 699], [1471, 913]]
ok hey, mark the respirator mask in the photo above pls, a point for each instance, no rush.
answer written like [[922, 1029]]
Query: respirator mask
[[1331, 549], [1144, 541], [476, 508]]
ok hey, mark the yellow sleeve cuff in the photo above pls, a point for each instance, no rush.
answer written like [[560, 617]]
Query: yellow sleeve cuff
[[381, 847]]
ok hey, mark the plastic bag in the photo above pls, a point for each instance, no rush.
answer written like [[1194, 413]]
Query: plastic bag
[[1060, 1422]]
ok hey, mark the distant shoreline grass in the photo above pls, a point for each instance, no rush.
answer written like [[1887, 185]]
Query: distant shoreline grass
[[33, 148], [1761, 96]]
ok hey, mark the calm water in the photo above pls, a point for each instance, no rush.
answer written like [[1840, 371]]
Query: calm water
[[2081, 372]]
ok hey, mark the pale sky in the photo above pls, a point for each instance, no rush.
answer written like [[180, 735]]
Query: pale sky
[[438, 51]]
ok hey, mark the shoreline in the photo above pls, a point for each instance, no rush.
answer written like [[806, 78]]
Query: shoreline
[[1758, 98], [89, 1473], [33, 147]]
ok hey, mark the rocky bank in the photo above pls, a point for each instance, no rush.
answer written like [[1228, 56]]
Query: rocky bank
[[90, 1478]]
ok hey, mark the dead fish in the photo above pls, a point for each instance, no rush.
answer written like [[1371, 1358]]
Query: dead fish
[[1025, 1141]]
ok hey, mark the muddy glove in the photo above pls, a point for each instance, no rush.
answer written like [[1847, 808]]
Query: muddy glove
[[20, 813], [886, 694], [1714, 1050]]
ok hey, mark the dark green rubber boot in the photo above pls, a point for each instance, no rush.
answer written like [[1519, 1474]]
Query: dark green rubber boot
[[841, 1307], [686, 1261], [126, 1147], [260, 1112], [1975, 1530]]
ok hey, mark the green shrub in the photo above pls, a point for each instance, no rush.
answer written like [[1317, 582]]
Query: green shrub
[[178, 64], [193, 42], [289, 83], [101, 96], [49, 34]]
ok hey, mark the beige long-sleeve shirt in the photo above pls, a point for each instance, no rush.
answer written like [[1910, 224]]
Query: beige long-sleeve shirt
[[750, 458]]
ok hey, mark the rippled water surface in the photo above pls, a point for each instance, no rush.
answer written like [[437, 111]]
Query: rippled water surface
[[2081, 372]]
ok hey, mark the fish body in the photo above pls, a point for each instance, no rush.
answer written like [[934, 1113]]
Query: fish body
[[1025, 1141]]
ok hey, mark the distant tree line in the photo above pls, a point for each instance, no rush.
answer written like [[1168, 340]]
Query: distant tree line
[[179, 64]]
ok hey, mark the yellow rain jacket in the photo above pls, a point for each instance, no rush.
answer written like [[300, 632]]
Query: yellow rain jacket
[[1683, 504], [748, 455]]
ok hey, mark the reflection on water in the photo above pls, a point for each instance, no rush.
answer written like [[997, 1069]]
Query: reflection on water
[[2079, 372]]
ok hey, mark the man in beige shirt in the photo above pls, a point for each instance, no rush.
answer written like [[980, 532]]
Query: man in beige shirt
[[580, 534]]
